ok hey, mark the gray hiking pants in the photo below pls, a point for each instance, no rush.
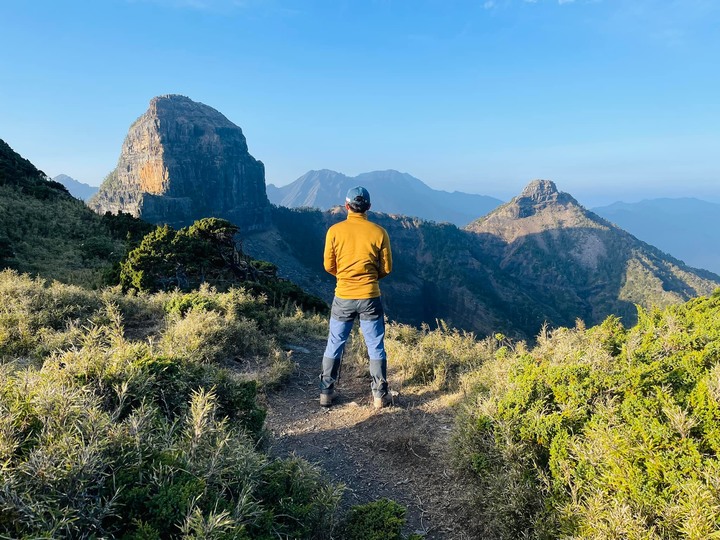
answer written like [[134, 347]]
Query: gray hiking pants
[[372, 323]]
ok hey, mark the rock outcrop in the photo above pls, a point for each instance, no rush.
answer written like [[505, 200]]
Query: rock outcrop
[[182, 161]]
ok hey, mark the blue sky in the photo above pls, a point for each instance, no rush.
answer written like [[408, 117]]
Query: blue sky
[[611, 99]]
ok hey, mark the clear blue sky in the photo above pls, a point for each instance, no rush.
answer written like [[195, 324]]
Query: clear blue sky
[[611, 99]]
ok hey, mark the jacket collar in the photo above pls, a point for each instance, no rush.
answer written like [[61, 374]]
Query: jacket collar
[[355, 215]]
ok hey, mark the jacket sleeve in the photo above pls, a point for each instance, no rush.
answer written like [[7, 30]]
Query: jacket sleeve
[[329, 259], [385, 259]]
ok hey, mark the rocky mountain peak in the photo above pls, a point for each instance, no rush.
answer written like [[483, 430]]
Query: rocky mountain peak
[[540, 190], [539, 207], [181, 161], [540, 194], [171, 97]]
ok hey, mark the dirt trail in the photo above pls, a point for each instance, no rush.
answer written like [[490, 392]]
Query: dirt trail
[[400, 452]]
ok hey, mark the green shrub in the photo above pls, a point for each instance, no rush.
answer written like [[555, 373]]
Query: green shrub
[[36, 317], [206, 253], [302, 325], [209, 336], [197, 301], [281, 369], [299, 501], [383, 519], [121, 423], [46, 232], [287, 296], [108, 430], [601, 432], [243, 304]]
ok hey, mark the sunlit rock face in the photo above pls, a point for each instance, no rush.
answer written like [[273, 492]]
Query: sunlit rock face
[[182, 161]]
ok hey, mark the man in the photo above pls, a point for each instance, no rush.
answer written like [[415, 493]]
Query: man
[[357, 253]]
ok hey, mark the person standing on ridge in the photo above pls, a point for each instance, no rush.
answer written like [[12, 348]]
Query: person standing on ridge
[[357, 253]]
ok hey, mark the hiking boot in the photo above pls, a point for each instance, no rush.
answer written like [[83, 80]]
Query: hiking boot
[[382, 402], [327, 399]]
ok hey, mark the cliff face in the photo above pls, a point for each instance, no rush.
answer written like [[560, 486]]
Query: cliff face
[[182, 161]]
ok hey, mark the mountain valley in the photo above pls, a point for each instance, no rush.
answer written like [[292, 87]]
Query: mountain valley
[[541, 258]]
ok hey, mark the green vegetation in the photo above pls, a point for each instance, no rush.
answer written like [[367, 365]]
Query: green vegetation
[[379, 520], [601, 432], [606, 432], [206, 253], [117, 419], [56, 237], [46, 232], [19, 173], [120, 418], [435, 357]]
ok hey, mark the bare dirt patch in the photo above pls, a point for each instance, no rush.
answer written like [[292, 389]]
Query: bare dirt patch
[[400, 452]]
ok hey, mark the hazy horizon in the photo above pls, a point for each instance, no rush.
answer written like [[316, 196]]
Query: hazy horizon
[[590, 202], [612, 101]]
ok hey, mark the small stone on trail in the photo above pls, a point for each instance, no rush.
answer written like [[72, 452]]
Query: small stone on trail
[[296, 348]]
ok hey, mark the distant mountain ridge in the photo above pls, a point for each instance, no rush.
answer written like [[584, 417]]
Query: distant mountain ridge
[[685, 227], [77, 189], [392, 192]]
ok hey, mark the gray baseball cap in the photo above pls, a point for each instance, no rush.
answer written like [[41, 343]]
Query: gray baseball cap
[[356, 193]]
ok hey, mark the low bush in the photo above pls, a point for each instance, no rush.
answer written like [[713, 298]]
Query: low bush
[[383, 519], [211, 337], [206, 253], [436, 357], [107, 431], [601, 432], [303, 325]]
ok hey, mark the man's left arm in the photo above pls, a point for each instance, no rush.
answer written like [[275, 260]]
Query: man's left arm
[[385, 258]]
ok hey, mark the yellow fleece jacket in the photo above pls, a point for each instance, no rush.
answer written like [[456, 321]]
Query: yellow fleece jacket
[[357, 252]]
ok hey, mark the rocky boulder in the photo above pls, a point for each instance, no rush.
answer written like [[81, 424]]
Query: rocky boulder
[[182, 161]]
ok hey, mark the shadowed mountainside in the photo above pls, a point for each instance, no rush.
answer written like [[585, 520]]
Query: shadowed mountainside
[[572, 258], [46, 232]]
